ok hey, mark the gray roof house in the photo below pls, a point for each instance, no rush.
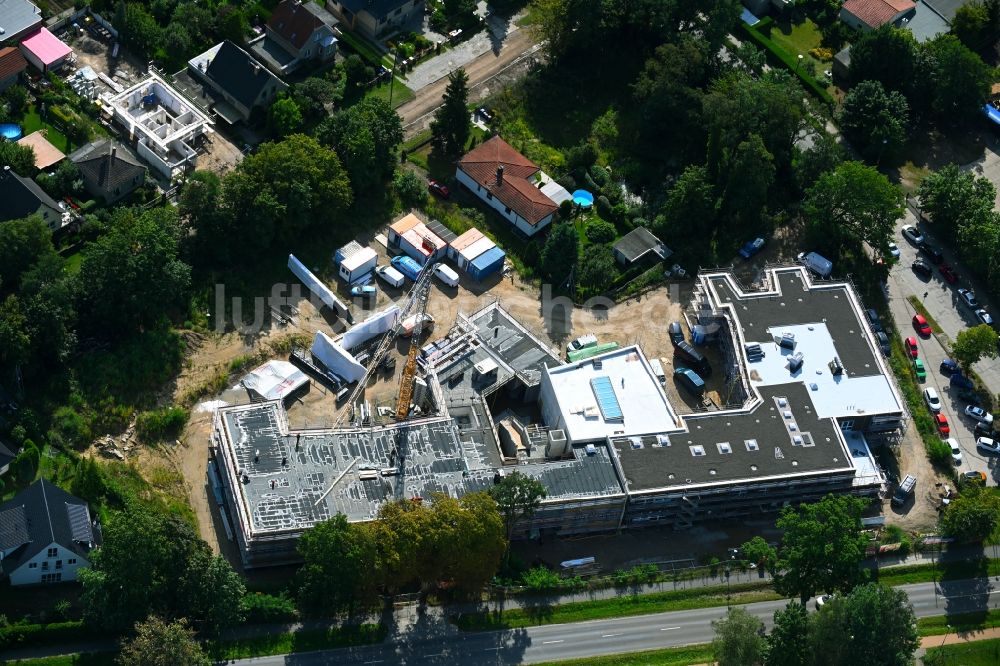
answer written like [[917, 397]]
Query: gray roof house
[[242, 83], [640, 245], [18, 19], [299, 32], [22, 197], [377, 18], [6, 458], [46, 535], [109, 171]]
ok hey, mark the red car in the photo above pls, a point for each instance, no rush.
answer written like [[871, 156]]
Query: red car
[[942, 424], [948, 273], [923, 328], [438, 189], [911, 346]]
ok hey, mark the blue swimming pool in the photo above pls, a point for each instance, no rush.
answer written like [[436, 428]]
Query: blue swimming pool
[[10, 131]]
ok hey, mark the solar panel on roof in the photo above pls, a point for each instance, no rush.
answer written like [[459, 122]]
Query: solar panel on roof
[[79, 522], [607, 401]]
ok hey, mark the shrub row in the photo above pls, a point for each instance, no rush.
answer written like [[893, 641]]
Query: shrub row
[[32, 635]]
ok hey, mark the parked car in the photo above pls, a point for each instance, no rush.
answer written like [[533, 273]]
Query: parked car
[[893, 250], [438, 188], [984, 317], [968, 297], [932, 399], [676, 332], [912, 234], [956, 450], [875, 320], [921, 267], [390, 276], [584, 341], [365, 291], [975, 477], [919, 370], [948, 274], [752, 247], [921, 325], [823, 600], [987, 445], [931, 252], [904, 491], [883, 343], [941, 421], [948, 366], [960, 381], [984, 430], [911, 346], [690, 380], [979, 414]]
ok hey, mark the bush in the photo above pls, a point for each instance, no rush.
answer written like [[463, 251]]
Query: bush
[[32, 635], [600, 175], [540, 579], [599, 231], [567, 181], [160, 424], [583, 156], [939, 453], [410, 189], [259, 608], [70, 426], [603, 207]]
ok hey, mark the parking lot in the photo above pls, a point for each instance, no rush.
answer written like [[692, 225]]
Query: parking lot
[[942, 302]]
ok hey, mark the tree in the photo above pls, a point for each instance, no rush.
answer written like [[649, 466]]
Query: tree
[[559, 254], [139, 30], [874, 120], [314, 94], [850, 205], [972, 516], [15, 337], [974, 343], [478, 539], [821, 548], [21, 159], [518, 496], [450, 127], [284, 117], [824, 155], [232, 23], [365, 136], [788, 643], [599, 231], [960, 80], [950, 196], [691, 208], [159, 643], [152, 564], [410, 188], [874, 624], [759, 552], [132, 274], [739, 639], [337, 572], [888, 55], [23, 243], [460, 12], [973, 26], [746, 176], [597, 268]]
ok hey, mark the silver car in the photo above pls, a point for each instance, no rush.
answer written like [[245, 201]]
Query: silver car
[[979, 414]]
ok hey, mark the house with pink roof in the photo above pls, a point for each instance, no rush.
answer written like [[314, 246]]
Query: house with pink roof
[[45, 51]]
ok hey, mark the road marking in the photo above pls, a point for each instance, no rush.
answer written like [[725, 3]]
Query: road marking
[[550, 642], [439, 654], [669, 628], [492, 649], [610, 635]]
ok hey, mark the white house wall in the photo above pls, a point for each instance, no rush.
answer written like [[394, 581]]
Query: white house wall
[[28, 575], [522, 225]]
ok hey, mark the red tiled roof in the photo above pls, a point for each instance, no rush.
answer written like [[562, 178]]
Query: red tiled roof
[[515, 190], [11, 62], [876, 13], [293, 21]]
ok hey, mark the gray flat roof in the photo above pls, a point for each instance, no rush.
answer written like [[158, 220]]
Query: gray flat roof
[[17, 16], [518, 348], [794, 304], [651, 464]]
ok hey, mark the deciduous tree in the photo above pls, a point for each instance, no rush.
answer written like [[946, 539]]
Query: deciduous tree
[[21, 159], [888, 55], [874, 624], [739, 639], [159, 643], [597, 269], [949, 196], [518, 496], [972, 516], [788, 643], [338, 571], [365, 136], [974, 343], [876, 121], [961, 80], [559, 254], [284, 117]]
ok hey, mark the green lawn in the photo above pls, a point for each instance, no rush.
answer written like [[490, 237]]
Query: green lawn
[[925, 573], [975, 653], [401, 93], [939, 625], [678, 656], [86, 659], [661, 602], [799, 38], [301, 641], [365, 50], [33, 122]]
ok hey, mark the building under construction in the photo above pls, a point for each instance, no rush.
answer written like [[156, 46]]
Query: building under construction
[[808, 397]]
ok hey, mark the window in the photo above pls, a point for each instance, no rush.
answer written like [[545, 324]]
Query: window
[[697, 450], [51, 578], [751, 444], [847, 424], [724, 447], [71, 560], [507, 210], [32, 565], [489, 195], [58, 564], [53, 552], [45, 566]]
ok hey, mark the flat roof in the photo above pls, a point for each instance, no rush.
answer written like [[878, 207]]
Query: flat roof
[[359, 258], [467, 239], [472, 251], [644, 407], [725, 447], [46, 47], [45, 153], [515, 345], [16, 16]]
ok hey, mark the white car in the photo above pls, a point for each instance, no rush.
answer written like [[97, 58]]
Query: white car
[[984, 316], [979, 414], [932, 400], [912, 234], [969, 298], [956, 451], [987, 445], [893, 250], [823, 599]]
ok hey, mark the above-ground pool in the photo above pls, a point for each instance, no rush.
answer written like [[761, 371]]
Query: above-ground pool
[[10, 131], [583, 198]]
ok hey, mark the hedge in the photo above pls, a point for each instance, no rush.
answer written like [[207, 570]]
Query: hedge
[[32, 635], [784, 57]]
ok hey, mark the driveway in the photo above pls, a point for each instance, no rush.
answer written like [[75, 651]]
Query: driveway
[[941, 302]]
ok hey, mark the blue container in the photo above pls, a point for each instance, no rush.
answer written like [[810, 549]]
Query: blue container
[[487, 263], [11, 131]]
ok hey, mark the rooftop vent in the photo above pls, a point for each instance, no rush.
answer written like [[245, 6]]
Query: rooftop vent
[[697, 450], [778, 455], [836, 367], [724, 448], [751, 444]]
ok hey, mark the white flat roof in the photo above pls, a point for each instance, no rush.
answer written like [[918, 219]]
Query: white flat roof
[[644, 406], [359, 259], [832, 396]]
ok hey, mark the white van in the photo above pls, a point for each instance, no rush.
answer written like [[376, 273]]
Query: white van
[[390, 276], [446, 275]]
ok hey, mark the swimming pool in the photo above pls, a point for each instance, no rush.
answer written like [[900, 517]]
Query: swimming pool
[[10, 131]]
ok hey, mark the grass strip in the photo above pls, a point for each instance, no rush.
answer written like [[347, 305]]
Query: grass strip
[[783, 57], [640, 604], [970, 569], [676, 656], [919, 307], [363, 49], [974, 653], [305, 640], [85, 659], [940, 625], [401, 93]]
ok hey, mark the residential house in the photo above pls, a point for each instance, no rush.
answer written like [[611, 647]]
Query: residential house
[[872, 14], [512, 185], [46, 535], [109, 171], [242, 83], [639, 246], [299, 32], [18, 18], [376, 18], [6, 458], [12, 63], [22, 197]]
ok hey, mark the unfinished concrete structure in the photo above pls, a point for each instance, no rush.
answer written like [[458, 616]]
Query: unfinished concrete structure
[[807, 399], [163, 125]]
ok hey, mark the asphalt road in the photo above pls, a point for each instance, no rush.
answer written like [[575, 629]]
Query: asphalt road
[[429, 642], [941, 301]]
